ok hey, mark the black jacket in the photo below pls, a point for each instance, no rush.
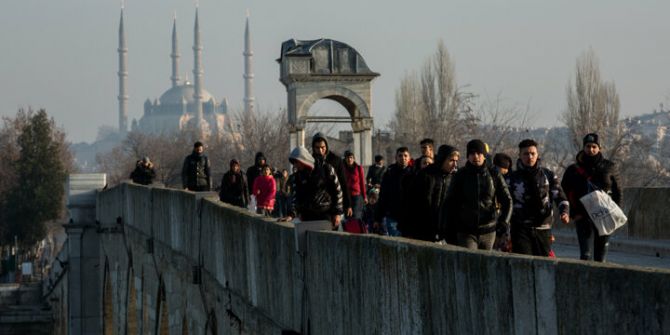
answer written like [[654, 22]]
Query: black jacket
[[533, 190], [471, 201], [336, 162], [316, 194], [195, 172], [426, 197], [375, 175], [142, 174], [255, 170], [602, 173], [391, 197], [234, 189]]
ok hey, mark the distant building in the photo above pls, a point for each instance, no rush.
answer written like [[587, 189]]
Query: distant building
[[186, 104]]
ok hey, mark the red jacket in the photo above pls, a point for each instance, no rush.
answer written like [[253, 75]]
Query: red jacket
[[355, 180], [264, 189]]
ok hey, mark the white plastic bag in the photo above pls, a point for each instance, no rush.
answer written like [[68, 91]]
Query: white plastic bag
[[604, 212]]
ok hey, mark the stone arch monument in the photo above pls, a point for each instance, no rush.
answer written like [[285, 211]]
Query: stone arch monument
[[328, 69]]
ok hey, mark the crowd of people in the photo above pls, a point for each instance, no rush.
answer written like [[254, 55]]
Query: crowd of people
[[488, 202]]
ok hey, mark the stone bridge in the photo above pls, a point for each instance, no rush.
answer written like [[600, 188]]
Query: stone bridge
[[164, 261]]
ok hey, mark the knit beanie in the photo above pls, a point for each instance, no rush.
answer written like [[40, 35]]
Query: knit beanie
[[591, 138], [302, 155], [476, 146]]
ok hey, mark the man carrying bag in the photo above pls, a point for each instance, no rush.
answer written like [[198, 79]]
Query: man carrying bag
[[595, 180]]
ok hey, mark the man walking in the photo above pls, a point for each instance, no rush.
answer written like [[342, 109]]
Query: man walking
[[471, 201], [427, 196], [195, 174], [590, 172], [533, 188], [316, 193], [376, 173], [320, 149], [233, 186], [390, 208], [355, 184]]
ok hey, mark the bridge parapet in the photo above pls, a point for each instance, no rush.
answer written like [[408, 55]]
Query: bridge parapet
[[216, 266]]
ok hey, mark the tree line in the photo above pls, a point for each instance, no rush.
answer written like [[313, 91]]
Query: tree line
[[430, 103], [34, 163]]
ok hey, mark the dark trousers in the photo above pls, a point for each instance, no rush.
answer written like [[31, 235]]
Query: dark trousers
[[357, 203], [531, 241], [195, 188], [586, 229]]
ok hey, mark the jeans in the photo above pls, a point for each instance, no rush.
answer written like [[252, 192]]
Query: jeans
[[531, 241], [585, 229], [482, 242], [391, 227]]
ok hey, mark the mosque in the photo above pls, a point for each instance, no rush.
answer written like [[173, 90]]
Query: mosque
[[185, 105]]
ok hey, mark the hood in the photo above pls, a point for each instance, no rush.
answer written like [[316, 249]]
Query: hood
[[444, 152], [320, 137], [259, 157], [234, 162], [302, 155]]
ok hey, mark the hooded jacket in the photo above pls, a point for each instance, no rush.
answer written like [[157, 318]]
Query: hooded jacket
[[602, 173], [255, 170], [316, 193], [471, 201], [533, 189], [428, 192], [336, 162], [265, 189]]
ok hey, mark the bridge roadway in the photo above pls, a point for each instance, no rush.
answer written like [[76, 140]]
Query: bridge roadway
[[622, 250]]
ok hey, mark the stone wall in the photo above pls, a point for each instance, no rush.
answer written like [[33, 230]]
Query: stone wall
[[188, 264], [648, 211]]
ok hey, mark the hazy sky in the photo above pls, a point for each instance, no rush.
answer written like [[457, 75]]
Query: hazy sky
[[61, 55]]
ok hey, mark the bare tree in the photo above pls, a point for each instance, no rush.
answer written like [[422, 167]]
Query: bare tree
[[432, 105], [409, 119], [501, 124], [593, 107], [249, 133]]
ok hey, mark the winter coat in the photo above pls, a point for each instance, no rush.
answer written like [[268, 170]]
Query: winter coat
[[375, 174], [234, 189], [391, 193], [143, 175], [265, 189], [471, 201], [336, 162], [426, 197], [355, 180], [316, 194], [195, 172], [602, 173], [533, 189], [255, 170]]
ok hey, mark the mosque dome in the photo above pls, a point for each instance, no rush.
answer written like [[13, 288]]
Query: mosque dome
[[174, 95]]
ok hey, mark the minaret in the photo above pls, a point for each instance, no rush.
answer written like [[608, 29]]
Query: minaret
[[197, 72], [175, 53], [248, 71], [123, 76]]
